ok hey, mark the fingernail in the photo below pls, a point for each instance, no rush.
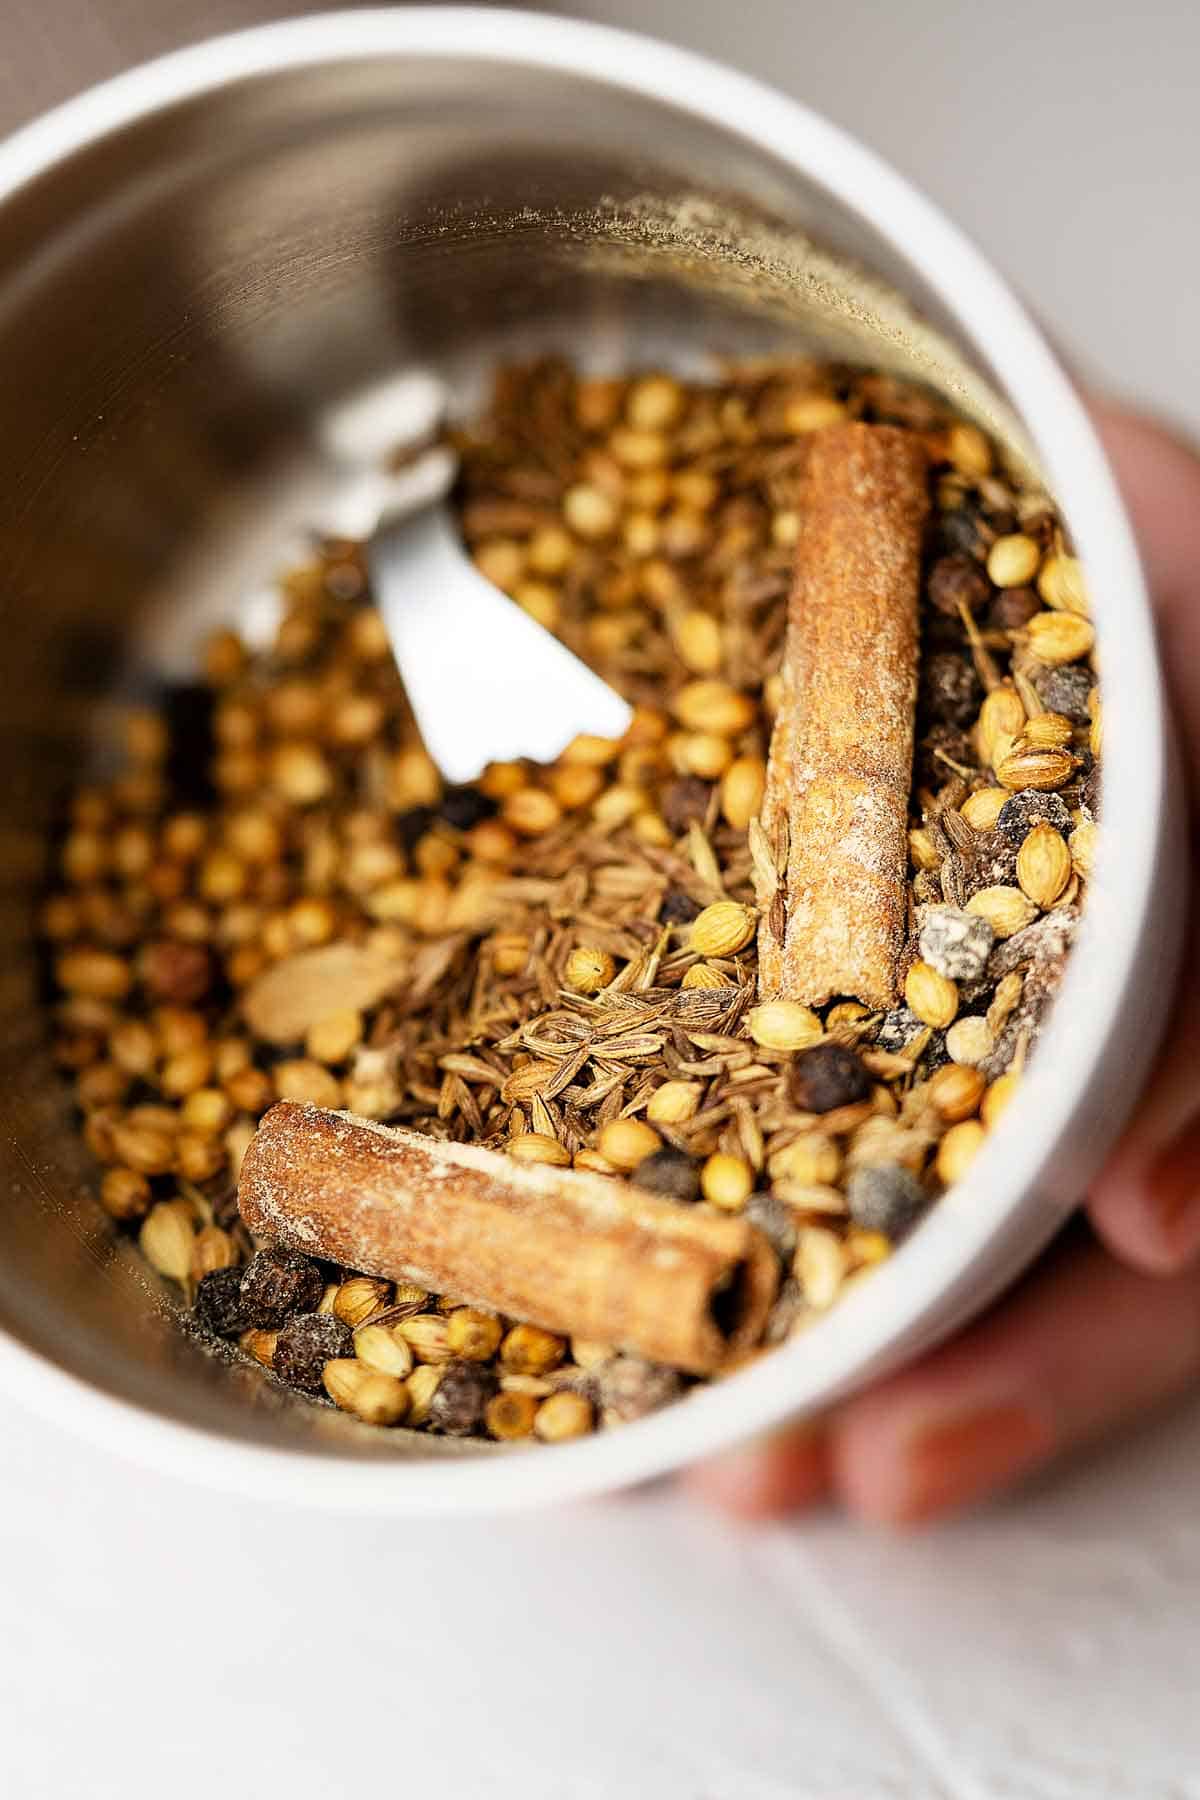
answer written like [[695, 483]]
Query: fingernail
[[952, 1461], [1175, 1194]]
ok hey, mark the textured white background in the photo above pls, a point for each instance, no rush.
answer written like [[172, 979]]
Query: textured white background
[[161, 1640]]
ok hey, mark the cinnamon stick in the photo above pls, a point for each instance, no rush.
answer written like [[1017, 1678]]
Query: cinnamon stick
[[573, 1252], [831, 885]]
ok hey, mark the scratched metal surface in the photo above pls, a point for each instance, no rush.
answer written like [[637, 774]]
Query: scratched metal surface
[[1060, 133]]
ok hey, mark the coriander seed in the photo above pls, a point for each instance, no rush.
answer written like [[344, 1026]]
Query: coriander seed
[[147, 1148], [982, 809], [427, 1336], [472, 1335], [1061, 585], [713, 706], [1060, 637], [1006, 909], [563, 1415], [1082, 846], [212, 1248], [697, 638], [537, 1147], [1013, 561], [590, 513], [626, 1143], [300, 1078], [722, 929], [742, 787], [588, 970], [969, 1041], [375, 1398], [260, 1345], [382, 1347], [531, 811], [997, 1098], [125, 1194], [956, 1090], [703, 975], [820, 1265], [167, 1237], [811, 1160], [422, 1385], [358, 1299], [932, 996], [674, 1103], [958, 1150], [509, 1416], [1043, 865], [784, 1025], [726, 1181], [527, 1350]]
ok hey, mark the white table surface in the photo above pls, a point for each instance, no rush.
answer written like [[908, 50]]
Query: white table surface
[[159, 1640], [163, 1640]]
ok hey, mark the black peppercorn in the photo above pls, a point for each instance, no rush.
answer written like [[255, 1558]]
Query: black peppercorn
[[1018, 816], [685, 802], [218, 1304], [1012, 608], [897, 1029], [305, 1344], [776, 1221], [630, 1388], [940, 741], [669, 1172], [957, 580], [464, 807], [412, 825], [962, 531], [950, 689], [1002, 519], [678, 908], [460, 1401], [887, 1198], [993, 861], [277, 1284], [826, 1076], [1066, 690]]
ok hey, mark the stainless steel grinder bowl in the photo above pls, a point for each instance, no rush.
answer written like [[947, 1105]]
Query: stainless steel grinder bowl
[[201, 259]]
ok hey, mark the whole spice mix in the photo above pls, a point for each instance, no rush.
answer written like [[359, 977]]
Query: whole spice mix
[[681, 1035]]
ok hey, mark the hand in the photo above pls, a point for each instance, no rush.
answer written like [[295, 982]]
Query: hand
[[1108, 1325]]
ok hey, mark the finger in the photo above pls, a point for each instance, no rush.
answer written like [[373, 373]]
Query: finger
[[1146, 1203], [783, 1473], [1158, 472], [1083, 1347]]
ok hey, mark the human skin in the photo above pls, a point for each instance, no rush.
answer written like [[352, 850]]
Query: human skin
[[1108, 1325]]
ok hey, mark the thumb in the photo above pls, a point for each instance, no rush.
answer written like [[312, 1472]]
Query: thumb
[[1158, 471], [1146, 1203]]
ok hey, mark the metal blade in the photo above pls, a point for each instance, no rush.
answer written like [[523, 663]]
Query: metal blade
[[486, 682]]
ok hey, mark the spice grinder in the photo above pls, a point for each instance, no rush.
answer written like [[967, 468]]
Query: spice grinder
[[200, 262]]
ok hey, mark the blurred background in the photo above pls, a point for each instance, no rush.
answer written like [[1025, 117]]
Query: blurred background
[[1062, 134], [167, 1640]]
